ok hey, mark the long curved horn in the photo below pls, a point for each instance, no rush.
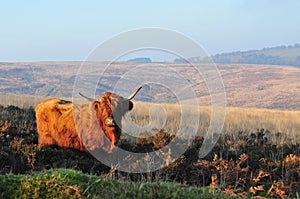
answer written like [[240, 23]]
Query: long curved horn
[[134, 93], [89, 99]]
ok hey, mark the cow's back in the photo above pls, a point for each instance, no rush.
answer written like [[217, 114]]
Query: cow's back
[[46, 115], [50, 123]]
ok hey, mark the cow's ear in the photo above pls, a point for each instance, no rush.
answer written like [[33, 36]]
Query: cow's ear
[[130, 105], [96, 105], [127, 105]]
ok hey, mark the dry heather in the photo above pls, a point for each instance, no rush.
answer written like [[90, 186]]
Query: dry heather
[[240, 164]]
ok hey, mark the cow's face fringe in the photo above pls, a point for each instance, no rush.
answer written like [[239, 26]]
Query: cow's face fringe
[[109, 110]]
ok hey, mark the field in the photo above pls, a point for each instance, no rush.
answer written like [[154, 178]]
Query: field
[[246, 120], [246, 85], [244, 162], [256, 156]]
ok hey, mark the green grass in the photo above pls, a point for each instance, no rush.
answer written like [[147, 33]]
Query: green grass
[[66, 183]]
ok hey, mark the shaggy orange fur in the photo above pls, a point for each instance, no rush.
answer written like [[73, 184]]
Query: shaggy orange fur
[[83, 127]]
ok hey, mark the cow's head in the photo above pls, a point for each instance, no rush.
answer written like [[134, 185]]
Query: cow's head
[[109, 110]]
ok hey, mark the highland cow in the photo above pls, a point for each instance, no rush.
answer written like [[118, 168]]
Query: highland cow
[[83, 127]]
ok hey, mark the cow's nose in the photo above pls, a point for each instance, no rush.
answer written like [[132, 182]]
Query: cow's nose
[[109, 122]]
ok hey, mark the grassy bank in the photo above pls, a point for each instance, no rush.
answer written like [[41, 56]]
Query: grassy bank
[[66, 183]]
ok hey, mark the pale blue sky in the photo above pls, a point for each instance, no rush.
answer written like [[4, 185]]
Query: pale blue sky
[[62, 30]]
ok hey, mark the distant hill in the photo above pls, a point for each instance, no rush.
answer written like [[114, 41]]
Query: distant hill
[[141, 60], [246, 85], [280, 55]]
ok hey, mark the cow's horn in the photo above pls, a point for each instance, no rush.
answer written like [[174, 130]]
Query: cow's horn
[[90, 99], [134, 93]]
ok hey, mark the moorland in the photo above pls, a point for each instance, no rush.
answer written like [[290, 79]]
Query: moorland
[[257, 154]]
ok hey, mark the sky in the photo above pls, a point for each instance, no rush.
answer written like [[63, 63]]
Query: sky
[[65, 30]]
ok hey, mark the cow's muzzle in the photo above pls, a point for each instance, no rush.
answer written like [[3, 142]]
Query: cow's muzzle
[[110, 122]]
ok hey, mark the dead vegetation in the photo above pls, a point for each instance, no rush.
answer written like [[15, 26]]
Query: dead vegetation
[[240, 164]]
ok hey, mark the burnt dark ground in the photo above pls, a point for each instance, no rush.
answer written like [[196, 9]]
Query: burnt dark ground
[[20, 154]]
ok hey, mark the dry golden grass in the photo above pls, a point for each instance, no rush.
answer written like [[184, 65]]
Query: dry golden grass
[[237, 119], [274, 120], [169, 117], [20, 101], [27, 101]]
